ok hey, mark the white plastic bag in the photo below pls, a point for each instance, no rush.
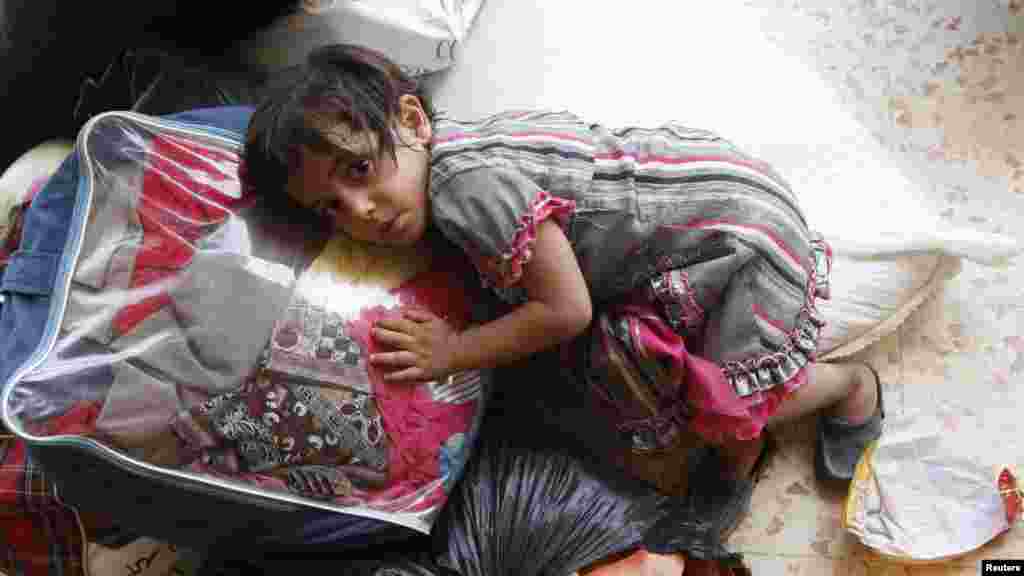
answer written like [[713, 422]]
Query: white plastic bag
[[924, 494], [419, 35]]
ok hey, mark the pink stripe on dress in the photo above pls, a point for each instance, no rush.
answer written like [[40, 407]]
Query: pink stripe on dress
[[461, 136], [767, 232], [759, 167]]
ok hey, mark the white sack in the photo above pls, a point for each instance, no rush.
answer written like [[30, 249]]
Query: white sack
[[420, 35]]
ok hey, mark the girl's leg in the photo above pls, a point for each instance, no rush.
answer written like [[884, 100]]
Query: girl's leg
[[845, 390]]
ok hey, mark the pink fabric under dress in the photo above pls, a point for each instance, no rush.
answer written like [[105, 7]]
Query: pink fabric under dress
[[652, 384]]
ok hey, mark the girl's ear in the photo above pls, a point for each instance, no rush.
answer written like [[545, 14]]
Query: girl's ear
[[413, 118]]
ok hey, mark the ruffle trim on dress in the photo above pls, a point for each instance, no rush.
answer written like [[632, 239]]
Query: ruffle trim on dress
[[506, 270], [765, 372]]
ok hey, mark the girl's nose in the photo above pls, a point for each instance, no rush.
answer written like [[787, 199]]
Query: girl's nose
[[357, 203]]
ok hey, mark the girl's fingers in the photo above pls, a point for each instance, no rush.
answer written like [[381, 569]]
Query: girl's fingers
[[393, 338], [400, 359], [395, 324], [418, 315], [412, 374]]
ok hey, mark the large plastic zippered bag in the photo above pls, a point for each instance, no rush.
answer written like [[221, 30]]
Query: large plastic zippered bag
[[190, 358]]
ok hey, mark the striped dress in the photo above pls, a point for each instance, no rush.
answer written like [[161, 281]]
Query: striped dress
[[699, 260]]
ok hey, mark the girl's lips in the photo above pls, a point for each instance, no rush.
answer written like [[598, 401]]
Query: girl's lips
[[391, 226]]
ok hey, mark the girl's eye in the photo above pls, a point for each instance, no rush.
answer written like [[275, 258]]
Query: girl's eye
[[359, 170]]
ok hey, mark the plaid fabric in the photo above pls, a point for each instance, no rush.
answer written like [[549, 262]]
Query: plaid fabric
[[39, 535]]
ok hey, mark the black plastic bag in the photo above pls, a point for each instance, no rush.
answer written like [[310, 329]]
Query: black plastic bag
[[539, 497], [521, 511], [156, 82], [528, 511]]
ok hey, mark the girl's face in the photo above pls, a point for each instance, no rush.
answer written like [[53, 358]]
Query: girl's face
[[365, 192]]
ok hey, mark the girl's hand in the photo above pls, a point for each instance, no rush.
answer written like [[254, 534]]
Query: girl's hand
[[426, 347]]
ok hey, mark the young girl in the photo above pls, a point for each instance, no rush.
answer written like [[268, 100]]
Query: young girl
[[693, 259]]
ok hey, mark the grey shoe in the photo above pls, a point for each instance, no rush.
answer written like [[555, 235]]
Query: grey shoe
[[840, 444]]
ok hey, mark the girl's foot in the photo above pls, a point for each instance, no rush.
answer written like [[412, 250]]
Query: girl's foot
[[740, 457], [862, 399], [844, 435]]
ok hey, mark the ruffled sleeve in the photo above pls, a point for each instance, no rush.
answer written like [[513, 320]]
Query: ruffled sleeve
[[492, 214]]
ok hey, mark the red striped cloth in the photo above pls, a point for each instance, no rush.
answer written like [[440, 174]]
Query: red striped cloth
[[186, 193]]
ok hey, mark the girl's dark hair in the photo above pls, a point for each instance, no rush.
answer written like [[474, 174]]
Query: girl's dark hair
[[342, 83]]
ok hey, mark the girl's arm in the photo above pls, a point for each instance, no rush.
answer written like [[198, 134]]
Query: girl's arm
[[559, 308]]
